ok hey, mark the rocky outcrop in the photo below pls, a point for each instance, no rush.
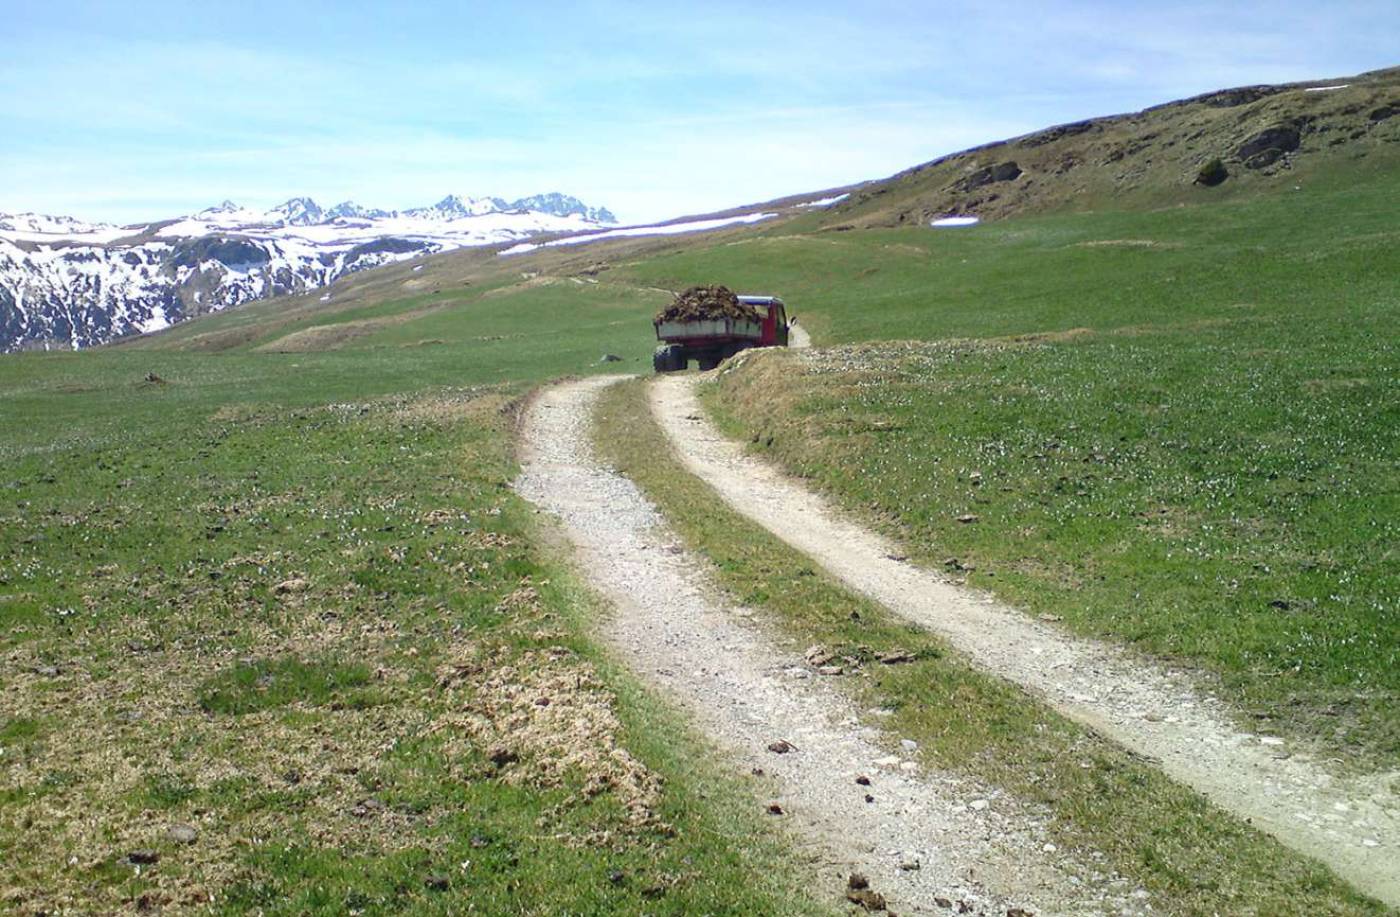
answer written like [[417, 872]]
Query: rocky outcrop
[[1212, 173], [1385, 112], [1005, 171], [1269, 146]]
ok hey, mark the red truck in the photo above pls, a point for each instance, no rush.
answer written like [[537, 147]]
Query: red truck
[[708, 341]]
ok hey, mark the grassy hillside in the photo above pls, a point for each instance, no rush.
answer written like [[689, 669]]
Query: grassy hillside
[[1262, 139]]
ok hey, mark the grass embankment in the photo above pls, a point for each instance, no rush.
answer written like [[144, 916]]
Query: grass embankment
[[271, 649], [1178, 429], [1197, 494], [1193, 858]]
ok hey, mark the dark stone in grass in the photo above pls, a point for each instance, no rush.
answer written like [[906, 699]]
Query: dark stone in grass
[[501, 756], [367, 807], [863, 780], [1212, 173], [616, 877], [610, 358], [1386, 112], [781, 747], [858, 891], [47, 671], [437, 883], [774, 809], [478, 841], [142, 857]]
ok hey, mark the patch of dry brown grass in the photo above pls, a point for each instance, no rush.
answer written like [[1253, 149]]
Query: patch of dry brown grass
[[547, 721]]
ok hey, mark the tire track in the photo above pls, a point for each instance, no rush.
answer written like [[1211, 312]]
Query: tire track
[[920, 837], [1352, 825]]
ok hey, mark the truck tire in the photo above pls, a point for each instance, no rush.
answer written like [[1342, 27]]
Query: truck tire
[[668, 359], [708, 362]]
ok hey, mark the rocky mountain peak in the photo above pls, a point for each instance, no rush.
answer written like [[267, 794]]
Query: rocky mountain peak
[[563, 205], [299, 211]]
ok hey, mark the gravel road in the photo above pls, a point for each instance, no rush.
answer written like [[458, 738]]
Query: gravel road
[[1353, 825], [921, 837]]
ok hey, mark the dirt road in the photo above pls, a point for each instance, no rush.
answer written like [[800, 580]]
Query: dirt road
[[919, 837], [1352, 825]]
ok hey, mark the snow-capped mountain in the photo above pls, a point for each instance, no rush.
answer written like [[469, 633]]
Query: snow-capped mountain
[[555, 204], [65, 283]]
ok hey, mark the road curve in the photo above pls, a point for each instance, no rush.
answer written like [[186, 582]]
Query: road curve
[[1351, 825], [918, 837]]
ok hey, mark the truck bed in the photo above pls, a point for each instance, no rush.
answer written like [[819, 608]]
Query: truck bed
[[710, 330]]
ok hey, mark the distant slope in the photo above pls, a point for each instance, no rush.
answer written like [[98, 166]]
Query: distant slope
[[1347, 134], [1265, 137]]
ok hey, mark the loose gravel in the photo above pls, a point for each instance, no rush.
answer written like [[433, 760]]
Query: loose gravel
[[1353, 824], [927, 841]]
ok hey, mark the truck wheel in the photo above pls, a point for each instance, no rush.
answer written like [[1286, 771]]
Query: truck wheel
[[708, 362], [668, 359]]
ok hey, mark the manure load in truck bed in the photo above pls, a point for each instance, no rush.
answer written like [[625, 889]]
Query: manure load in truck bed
[[708, 304]]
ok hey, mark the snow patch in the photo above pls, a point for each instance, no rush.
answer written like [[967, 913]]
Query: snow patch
[[157, 321], [1326, 88], [38, 227], [826, 201], [670, 229], [950, 222]]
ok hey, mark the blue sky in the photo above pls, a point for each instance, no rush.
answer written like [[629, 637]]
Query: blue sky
[[129, 111]]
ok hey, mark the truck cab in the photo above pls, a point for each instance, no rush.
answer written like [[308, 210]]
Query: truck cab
[[775, 325]]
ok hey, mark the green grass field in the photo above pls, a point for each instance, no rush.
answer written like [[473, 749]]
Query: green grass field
[[279, 639]]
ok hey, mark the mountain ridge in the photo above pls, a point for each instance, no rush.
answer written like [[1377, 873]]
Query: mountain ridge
[[68, 283]]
